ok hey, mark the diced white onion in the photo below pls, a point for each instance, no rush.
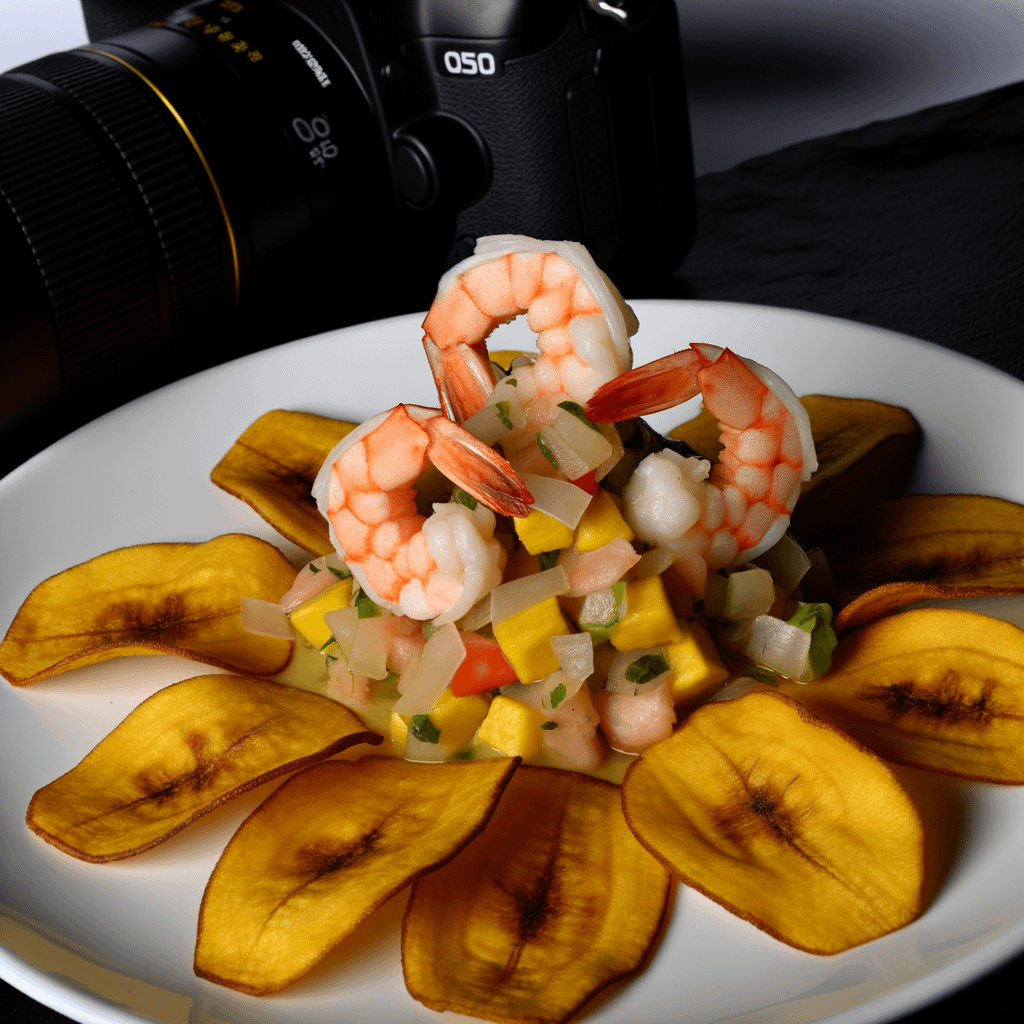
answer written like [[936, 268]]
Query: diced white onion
[[343, 624], [539, 695], [617, 681], [787, 563], [741, 595], [442, 655], [477, 617], [517, 595], [559, 499], [778, 645], [575, 653], [653, 562], [487, 424], [590, 445], [565, 456], [422, 750], [369, 652], [265, 618], [611, 435]]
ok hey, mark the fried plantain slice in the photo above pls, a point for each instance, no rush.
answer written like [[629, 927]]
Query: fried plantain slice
[[936, 688], [865, 449], [182, 599], [272, 466], [186, 750], [782, 820], [954, 540], [552, 903], [324, 851]]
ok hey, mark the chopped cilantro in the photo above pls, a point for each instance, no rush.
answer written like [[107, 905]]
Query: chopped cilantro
[[313, 567], [504, 411], [511, 382], [342, 574], [577, 410], [464, 498], [558, 694], [548, 559], [464, 755], [424, 729], [427, 629], [760, 673], [327, 643], [366, 607], [549, 725], [546, 451], [646, 668]]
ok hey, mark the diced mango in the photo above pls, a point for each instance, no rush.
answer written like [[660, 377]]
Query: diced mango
[[602, 523], [455, 718], [697, 669], [539, 532], [513, 728], [649, 620], [525, 639], [308, 618]]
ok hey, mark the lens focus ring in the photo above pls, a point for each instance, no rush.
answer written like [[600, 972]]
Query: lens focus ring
[[127, 236]]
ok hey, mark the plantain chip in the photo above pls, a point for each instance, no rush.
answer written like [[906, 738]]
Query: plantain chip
[[956, 540], [865, 449], [936, 688], [782, 820], [552, 903], [272, 466], [182, 599], [187, 749], [324, 851], [890, 597]]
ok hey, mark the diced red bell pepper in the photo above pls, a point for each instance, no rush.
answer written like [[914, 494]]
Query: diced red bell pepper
[[484, 667], [587, 482]]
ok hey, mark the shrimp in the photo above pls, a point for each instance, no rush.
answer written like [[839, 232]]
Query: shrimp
[[716, 516], [583, 325], [425, 567]]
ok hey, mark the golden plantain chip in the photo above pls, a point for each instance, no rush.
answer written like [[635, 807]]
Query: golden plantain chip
[[936, 688], [187, 749], [553, 902], [782, 820], [272, 466], [865, 449], [956, 540], [324, 851], [182, 599]]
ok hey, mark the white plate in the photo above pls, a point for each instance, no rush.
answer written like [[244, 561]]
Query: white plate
[[113, 943]]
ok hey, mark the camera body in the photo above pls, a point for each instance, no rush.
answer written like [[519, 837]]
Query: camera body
[[272, 168]]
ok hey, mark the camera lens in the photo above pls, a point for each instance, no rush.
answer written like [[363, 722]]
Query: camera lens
[[181, 193]]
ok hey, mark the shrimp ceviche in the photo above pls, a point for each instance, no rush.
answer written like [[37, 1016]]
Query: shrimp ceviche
[[593, 659]]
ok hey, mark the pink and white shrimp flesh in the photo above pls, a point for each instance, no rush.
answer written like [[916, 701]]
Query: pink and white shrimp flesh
[[713, 517], [583, 325], [425, 567]]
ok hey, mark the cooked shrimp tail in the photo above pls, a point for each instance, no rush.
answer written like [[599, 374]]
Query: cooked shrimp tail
[[426, 567], [582, 323], [714, 517]]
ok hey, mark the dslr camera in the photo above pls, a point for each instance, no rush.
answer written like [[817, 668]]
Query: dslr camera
[[194, 185]]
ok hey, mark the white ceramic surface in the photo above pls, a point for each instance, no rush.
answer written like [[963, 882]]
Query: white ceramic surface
[[113, 943]]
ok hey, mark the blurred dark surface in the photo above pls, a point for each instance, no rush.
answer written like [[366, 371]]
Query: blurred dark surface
[[913, 224]]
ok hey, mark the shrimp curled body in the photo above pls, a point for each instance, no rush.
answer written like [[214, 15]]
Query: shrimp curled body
[[583, 325], [716, 516], [425, 567]]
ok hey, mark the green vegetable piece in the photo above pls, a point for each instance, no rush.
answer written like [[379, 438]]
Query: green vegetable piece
[[558, 694], [327, 643], [602, 611], [424, 729], [549, 725], [575, 409], [366, 607], [504, 411], [464, 498], [816, 618], [464, 755], [313, 568], [342, 574], [646, 668], [548, 559], [546, 451], [760, 673]]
